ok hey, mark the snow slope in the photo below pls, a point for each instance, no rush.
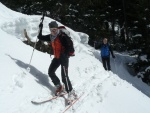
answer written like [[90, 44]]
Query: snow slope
[[119, 66], [104, 91]]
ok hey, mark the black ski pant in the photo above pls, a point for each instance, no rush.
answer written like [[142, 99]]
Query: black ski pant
[[106, 63], [64, 62]]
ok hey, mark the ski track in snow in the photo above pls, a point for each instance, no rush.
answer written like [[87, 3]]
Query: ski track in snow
[[88, 88]]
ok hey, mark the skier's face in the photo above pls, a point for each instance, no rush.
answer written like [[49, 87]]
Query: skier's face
[[105, 40], [54, 31]]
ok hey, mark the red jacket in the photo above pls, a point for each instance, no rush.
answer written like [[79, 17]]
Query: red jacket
[[57, 47]]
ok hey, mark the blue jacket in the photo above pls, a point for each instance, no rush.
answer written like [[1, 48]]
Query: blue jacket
[[105, 50]]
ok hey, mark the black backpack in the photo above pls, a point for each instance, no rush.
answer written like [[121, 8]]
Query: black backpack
[[66, 41]]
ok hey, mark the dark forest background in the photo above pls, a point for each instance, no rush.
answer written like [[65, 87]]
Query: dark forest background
[[126, 23]]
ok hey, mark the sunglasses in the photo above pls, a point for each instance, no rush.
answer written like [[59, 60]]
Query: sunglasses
[[53, 29]]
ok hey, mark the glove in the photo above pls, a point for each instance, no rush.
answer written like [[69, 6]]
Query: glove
[[40, 29], [113, 56], [41, 25]]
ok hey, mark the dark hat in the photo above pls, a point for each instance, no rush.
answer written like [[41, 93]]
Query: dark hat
[[53, 24]]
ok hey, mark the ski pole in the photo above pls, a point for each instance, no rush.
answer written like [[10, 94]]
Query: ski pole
[[28, 68]]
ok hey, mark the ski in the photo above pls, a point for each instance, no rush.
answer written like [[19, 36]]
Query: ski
[[69, 106], [50, 99]]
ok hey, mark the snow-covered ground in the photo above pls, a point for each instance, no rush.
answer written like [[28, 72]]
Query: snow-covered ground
[[105, 92]]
